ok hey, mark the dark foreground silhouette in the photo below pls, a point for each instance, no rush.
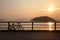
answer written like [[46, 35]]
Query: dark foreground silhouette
[[30, 35]]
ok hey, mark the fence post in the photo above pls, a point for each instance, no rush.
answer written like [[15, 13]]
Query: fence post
[[8, 25], [32, 26], [55, 26]]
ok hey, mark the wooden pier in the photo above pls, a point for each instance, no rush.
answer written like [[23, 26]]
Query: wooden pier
[[29, 34]]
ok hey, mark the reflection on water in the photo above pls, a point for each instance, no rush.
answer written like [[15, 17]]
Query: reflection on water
[[50, 26], [36, 26]]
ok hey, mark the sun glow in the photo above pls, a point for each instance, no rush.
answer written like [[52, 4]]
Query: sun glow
[[50, 26], [50, 9]]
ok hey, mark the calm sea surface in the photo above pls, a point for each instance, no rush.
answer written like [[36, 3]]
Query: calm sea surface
[[28, 26]]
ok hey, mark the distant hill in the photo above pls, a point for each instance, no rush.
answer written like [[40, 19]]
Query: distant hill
[[2, 19], [43, 19]]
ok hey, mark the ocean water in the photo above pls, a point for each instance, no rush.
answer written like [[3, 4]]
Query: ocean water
[[28, 26]]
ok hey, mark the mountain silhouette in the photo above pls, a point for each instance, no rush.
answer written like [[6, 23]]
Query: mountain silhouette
[[43, 19], [2, 19]]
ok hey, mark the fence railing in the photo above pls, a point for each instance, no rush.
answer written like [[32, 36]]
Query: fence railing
[[28, 25]]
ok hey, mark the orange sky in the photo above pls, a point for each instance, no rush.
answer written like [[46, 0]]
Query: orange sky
[[25, 9]]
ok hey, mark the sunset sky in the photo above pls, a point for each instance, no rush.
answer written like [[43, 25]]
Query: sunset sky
[[27, 9]]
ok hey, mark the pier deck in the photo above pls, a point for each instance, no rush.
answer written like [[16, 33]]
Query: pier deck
[[30, 35]]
